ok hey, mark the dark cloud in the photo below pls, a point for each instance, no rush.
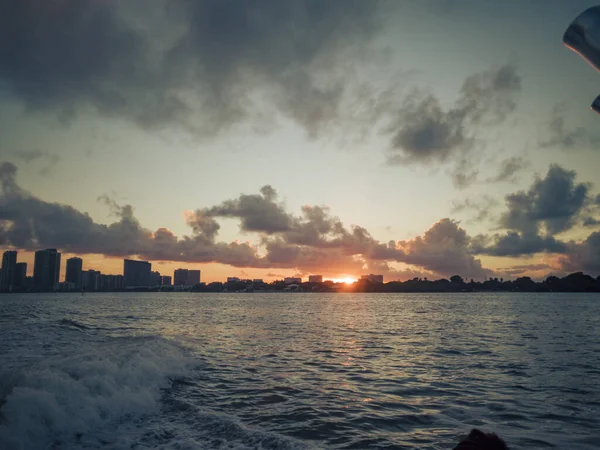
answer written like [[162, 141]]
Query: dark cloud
[[553, 202], [568, 138], [314, 241], [259, 213], [583, 256], [590, 222], [523, 269], [200, 65], [481, 207], [47, 160], [28, 223], [509, 170], [515, 243], [464, 173], [551, 205], [443, 249], [424, 132]]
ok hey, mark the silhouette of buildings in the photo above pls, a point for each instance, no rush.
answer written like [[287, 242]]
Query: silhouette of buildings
[[180, 277], [20, 280], [7, 277], [74, 272], [186, 277], [165, 280], [90, 280], [315, 278], [46, 269], [136, 273], [292, 280], [154, 279], [372, 278], [193, 277], [233, 280]]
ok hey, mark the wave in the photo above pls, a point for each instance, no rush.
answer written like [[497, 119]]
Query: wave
[[70, 323], [56, 402]]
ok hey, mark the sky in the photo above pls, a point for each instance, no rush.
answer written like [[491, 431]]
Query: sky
[[268, 138]]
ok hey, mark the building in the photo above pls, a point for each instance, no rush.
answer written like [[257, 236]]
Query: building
[[154, 278], [165, 280], [372, 278], [73, 271], [136, 273], [193, 277], [233, 280], [90, 280], [9, 263], [292, 280], [46, 268], [20, 281], [315, 278], [110, 282], [257, 281], [180, 277]]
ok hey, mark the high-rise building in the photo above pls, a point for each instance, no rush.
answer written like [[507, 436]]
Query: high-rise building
[[180, 277], [90, 280], [315, 278], [74, 269], [165, 280], [20, 276], [9, 262], [136, 273], [292, 280], [372, 278], [193, 277], [46, 269], [154, 278]]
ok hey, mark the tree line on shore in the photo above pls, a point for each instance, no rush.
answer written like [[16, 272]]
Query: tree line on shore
[[575, 282]]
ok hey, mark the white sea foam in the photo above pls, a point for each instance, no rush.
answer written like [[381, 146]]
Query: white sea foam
[[57, 402]]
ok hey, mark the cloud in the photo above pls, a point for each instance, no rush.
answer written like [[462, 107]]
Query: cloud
[[314, 241], [553, 202], [550, 206], [522, 269], [203, 65], [482, 207], [47, 159], [28, 223], [443, 249], [258, 213], [565, 137], [425, 133], [509, 170], [583, 256]]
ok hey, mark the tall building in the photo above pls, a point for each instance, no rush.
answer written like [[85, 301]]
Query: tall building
[[90, 280], [136, 273], [180, 277], [20, 276], [315, 278], [165, 280], [372, 278], [154, 278], [292, 280], [74, 269], [193, 277], [9, 262], [46, 268]]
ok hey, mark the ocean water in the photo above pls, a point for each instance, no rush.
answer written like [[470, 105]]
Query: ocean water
[[294, 371]]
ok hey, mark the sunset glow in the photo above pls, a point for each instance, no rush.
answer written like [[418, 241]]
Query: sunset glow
[[347, 280]]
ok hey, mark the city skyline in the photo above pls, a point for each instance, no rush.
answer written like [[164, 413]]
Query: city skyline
[[405, 143]]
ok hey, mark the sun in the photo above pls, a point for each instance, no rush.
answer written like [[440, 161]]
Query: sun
[[347, 280]]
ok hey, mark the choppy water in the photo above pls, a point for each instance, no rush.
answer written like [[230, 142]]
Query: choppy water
[[269, 371]]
